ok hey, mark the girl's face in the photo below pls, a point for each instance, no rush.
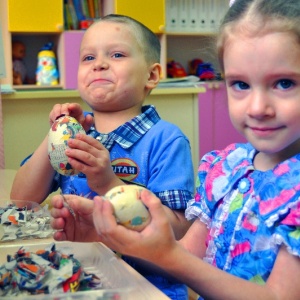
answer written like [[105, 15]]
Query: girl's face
[[113, 73], [263, 84]]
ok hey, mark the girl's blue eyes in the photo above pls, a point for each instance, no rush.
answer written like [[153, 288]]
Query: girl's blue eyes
[[240, 85], [282, 84]]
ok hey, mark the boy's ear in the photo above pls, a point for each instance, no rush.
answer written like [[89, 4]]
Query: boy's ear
[[154, 76]]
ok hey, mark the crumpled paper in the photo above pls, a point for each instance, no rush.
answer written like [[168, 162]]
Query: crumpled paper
[[46, 271], [23, 223]]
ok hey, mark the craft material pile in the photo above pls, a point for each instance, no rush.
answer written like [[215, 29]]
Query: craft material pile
[[47, 271], [24, 222]]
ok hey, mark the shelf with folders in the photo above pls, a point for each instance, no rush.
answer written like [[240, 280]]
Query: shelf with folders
[[194, 16]]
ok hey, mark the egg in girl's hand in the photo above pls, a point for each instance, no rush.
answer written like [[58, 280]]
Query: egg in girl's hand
[[64, 128], [129, 210]]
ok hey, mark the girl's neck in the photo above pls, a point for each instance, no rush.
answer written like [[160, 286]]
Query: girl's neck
[[265, 162]]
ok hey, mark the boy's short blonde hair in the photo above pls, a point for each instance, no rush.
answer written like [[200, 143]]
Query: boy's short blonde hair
[[147, 40]]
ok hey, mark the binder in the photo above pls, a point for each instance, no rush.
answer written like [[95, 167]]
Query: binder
[[85, 9], [203, 15], [72, 15], [183, 7], [91, 8], [194, 15], [212, 16], [78, 9], [172, 15]]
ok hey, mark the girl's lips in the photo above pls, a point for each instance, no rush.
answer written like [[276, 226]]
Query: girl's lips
[[264, 131]]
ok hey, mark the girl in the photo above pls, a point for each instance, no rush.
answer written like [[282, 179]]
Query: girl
[[245, 241]]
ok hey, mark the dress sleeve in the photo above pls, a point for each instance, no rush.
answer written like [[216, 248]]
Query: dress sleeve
[[218, 173], [287, 231], [197, 207]]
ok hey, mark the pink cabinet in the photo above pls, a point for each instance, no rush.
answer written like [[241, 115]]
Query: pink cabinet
[[68, 49], [215, 128]]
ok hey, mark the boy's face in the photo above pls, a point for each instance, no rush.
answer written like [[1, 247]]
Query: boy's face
[[113, 73]]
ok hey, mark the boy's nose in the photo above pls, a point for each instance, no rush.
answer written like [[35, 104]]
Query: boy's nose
[[100, 64]]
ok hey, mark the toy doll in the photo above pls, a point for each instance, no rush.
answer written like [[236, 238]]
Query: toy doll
[[46, 73], [19, 68]]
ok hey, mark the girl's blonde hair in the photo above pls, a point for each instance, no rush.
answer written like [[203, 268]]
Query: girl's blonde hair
[[258, 17]]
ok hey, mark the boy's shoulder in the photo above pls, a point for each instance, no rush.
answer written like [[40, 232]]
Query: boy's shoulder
[[166, 127]]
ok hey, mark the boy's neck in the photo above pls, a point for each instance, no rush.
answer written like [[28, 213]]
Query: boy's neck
[[106, 122]]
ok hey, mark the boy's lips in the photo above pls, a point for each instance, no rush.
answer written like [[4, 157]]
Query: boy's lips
[[100, 81]]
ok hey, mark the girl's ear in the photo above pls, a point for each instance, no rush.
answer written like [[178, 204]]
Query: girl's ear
[[154, 76]]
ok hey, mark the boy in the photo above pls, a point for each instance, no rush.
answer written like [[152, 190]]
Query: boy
[[125, 141]]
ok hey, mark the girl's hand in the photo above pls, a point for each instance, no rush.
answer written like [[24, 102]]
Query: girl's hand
[[79, 228], [142, 244], [90, 157], [73, 110]]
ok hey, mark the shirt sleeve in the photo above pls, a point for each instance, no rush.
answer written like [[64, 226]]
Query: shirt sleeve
[[171, 168]]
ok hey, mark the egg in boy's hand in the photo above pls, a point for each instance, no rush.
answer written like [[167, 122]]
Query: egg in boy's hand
[[129, 210], [63, 129]]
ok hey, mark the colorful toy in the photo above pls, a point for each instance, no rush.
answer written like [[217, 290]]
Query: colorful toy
[[193, 65], [175, 69], [46, 73], [205, 71]]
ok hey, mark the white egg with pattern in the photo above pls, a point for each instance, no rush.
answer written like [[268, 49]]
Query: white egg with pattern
[[63, 129], [129, 210]]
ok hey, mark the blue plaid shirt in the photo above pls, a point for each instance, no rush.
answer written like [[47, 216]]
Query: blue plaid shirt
[[146, 151]]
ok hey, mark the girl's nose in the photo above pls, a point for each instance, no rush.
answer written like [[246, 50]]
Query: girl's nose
[[260, 105]]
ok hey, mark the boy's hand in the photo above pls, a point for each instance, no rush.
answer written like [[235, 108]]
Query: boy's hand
[[81, 228], [90, 157], [73, 110]]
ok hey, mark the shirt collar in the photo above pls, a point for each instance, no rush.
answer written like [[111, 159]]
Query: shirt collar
[[130, 132]]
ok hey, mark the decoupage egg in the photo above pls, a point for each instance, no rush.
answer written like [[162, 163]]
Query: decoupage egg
[[64, 128], [129, 210]]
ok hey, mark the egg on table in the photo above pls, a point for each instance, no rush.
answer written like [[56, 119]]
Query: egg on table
[[64, 128], [129, 210]]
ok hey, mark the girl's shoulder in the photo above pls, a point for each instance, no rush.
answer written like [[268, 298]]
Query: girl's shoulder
[[233, 156]]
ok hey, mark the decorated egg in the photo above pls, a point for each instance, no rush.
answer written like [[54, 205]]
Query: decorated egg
[[64, 128], [129, 210]]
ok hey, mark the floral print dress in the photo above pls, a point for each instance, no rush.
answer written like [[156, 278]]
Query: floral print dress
[[249, 213]]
